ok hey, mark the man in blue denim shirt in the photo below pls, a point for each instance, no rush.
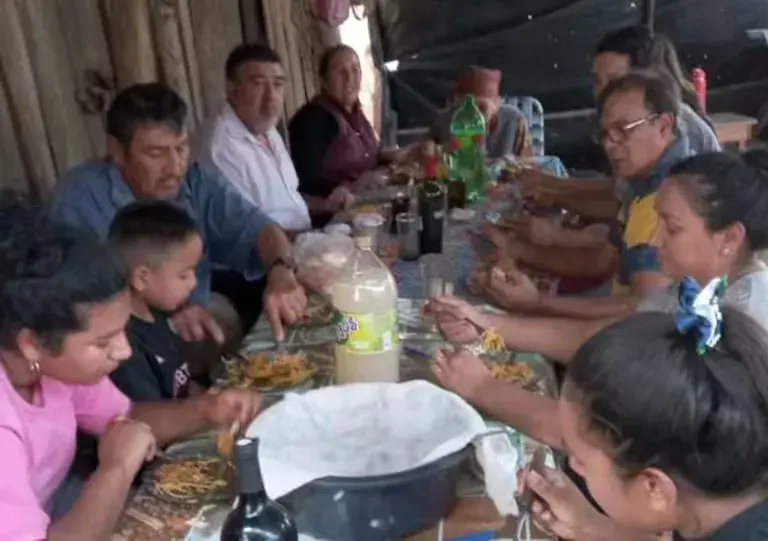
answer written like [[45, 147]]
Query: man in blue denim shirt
[[149, 153]]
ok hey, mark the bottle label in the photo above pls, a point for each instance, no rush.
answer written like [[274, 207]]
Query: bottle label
[[367, 333]]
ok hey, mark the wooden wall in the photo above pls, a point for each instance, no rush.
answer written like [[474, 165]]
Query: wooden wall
[[62, 60]]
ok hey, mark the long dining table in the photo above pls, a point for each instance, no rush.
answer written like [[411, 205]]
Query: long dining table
[[149, 518]]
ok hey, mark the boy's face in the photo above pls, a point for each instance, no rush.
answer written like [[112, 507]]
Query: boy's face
[[168, 286]]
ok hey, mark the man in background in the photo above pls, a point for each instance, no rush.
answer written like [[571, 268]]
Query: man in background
[[149, 160], [242, 145]]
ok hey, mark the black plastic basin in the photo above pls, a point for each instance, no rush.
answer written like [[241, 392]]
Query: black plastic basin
[[381, 508]]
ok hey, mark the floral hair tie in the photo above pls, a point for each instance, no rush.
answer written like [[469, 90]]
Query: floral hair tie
[[698, 312]]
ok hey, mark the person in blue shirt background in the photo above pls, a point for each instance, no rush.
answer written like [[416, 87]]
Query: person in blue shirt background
[[149, 159]]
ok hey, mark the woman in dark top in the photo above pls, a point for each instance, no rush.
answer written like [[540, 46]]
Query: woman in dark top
[[333, 146], [666, 417]]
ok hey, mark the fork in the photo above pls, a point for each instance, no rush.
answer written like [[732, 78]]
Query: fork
[[280, 350], [479, 328]]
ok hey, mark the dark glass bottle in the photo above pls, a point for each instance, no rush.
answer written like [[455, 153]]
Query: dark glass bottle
[[432, 211], [255, 517]]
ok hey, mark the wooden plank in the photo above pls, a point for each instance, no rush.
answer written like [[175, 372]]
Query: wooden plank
[[273, 17], [293, 34], [217, 29], [190, 61], [82, 27], [253, 21], [310, 49], [130, 34], [66, 131], [14, 172], [170, 52], [24, 104]]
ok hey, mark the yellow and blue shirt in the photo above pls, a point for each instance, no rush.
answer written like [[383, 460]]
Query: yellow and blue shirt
[[639, 219]]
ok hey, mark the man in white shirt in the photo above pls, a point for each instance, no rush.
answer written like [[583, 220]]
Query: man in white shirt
[[241, 142]]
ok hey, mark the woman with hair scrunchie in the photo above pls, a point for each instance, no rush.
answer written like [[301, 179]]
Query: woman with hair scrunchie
[[665, 417]]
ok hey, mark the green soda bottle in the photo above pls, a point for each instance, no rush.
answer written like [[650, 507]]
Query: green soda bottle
[[468, 147]]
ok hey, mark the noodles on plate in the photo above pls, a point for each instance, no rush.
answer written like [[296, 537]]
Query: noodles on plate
[[188, 480]]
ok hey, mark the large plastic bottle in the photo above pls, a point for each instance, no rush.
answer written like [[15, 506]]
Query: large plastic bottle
[[367, 340], [467, 129]]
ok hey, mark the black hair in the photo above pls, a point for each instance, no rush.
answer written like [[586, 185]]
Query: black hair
[[635, 42], [656, 403], [144, 104], [660, 96], [327, 58], [248, 52], [50, 274], [725, 188], [144, 231], [657, 52]]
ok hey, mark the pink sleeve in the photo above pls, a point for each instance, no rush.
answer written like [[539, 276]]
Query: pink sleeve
[[21, 517], [97, 405]]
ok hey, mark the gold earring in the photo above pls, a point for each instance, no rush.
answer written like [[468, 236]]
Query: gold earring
[[34, 367]]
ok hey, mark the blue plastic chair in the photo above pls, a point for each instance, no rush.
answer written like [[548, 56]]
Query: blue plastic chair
[[534, 115]]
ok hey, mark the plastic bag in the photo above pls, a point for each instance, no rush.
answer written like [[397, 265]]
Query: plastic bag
[[320, 258]]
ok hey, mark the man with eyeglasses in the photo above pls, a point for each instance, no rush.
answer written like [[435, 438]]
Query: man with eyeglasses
[[638, 117], [638, 131]]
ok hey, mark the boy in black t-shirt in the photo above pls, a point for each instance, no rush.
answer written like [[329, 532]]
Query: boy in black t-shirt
[[162, 248]]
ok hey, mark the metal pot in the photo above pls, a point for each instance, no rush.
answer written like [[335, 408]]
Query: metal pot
[[379, 508]]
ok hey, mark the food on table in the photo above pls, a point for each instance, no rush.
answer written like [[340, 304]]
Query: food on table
[[260, 371], [188, 480], [319, 311], [492, 341], [512, 373]]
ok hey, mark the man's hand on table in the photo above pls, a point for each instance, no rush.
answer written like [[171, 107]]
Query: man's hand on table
[[376, 178], [231, 406], [125, 446], [463, 373], [453, 316], [538, 187], [285, 300], [340, 199], [538, 230], [510, 288], [194, 324]]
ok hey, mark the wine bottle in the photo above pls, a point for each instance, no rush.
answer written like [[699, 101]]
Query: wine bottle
[[255, 517]]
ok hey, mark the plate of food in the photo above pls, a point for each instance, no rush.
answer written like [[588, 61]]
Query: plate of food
[[190, 473], [291, 371], [512, 372], [320, 312]]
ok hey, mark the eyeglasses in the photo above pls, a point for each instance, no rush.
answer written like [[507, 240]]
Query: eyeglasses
[[620, 134]]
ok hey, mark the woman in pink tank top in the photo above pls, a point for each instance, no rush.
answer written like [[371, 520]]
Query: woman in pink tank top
[[65, 306]]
